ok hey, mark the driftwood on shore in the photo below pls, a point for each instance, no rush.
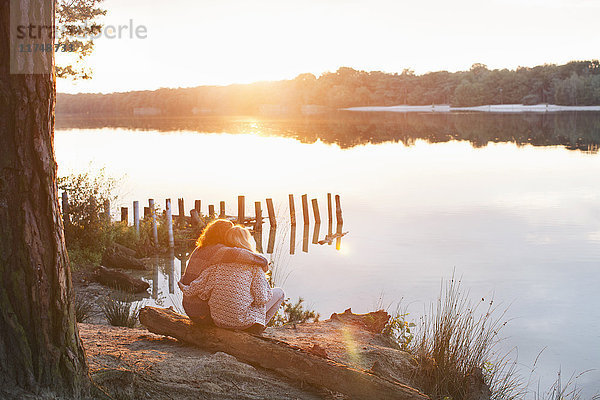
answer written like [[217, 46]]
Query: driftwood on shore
[[304, 366], [120, 280], [117, 256]]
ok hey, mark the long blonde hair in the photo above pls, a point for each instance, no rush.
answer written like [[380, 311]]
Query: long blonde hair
[[238, 236]]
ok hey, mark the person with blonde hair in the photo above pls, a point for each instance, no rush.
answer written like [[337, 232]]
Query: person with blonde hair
[[238, 236], [238, 294], [212, 249]]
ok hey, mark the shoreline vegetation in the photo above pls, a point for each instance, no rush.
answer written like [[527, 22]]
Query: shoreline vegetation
[[576, 83]]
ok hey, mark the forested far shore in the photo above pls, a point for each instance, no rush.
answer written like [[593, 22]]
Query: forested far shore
[[576, 83]]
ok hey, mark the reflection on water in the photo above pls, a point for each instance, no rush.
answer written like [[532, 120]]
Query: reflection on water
[[271, 245], [574, 130], [518, 221]]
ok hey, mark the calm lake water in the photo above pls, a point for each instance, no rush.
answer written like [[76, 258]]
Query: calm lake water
[[509, 202]]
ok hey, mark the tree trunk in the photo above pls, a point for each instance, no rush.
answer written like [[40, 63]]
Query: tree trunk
[[40, 349]]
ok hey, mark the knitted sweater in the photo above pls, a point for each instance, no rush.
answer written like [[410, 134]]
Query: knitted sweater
[[236, 293]]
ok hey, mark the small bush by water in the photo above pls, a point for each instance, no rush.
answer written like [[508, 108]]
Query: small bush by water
[[290, 313], [399, 329]]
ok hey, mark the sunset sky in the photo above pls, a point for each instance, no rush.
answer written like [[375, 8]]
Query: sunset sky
[[218, 42]]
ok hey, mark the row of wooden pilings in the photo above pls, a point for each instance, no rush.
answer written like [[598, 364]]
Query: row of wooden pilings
[[195, 213]]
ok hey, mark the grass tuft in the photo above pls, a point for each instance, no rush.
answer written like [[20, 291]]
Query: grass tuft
[[83, 309], [120, 312]]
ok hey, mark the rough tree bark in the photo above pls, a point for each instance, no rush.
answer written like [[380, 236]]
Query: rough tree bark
[[40, 348]]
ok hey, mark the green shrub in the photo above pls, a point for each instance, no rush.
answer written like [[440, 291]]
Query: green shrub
[[88, 232], [290, 313], [399, 329]]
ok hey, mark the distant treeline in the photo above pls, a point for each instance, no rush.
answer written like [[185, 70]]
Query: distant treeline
[[576, 83], [573, 130]]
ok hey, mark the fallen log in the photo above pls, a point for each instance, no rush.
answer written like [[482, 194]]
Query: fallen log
[[119, 280], [272, 354], [115, 257]]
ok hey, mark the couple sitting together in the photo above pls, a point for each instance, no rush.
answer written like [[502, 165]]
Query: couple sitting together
[[225, 282]]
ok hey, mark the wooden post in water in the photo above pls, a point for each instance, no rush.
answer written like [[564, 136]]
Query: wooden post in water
[[170, 223], [329, 215], [316, 232], [271, 212], [305, 209], [136, 217], [338, 240], [196, 222], [222, 209], [211, 211], [258, 214], [258, 240], [241, 209], [317, 215], [181, 208], [292, 211], [155, 277], [271, 244], [305, 238], [154, 227], [125, 215], [338, 210], [198, 206], [107, 210], [65, 208], [172, 272], [293, 239]]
